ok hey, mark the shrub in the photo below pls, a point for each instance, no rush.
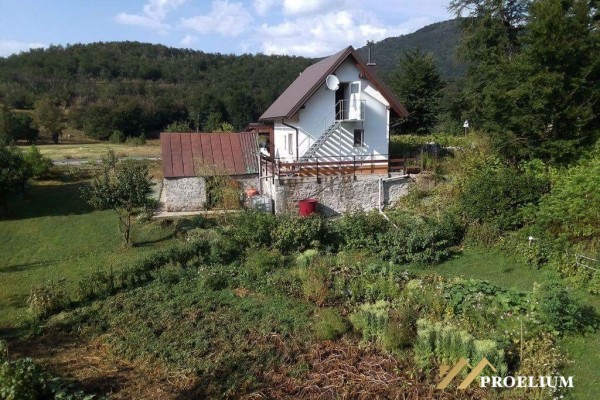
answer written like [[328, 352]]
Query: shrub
[[117, 137], [559, 311], [330, 324], [254, 229], [39, 165], [572, 207], [298, 233], [136, 140], [47, 298], [497, 194], [419, 240], [23, 380], [360, 230]]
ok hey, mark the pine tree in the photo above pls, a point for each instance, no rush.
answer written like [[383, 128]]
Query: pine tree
[[418, 85]]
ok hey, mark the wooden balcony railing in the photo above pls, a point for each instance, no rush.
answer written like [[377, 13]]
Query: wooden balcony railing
[[338, 165]]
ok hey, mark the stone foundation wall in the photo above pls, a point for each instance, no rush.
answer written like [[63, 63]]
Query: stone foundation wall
[[336, 194]]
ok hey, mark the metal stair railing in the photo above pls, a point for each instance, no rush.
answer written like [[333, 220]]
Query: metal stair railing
[[321, 126]]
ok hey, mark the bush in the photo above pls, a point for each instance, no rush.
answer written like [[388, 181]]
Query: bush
[[360, 230], [117, 137], [24, 380], [572, 207], [330, 324], [420, 240], [38, 164], [136, 141], [47, 298], [254, 229], [497, 195], [298, 233], [560, 312]]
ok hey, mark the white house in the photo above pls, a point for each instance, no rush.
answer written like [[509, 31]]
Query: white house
[[329, 139], [337, 110]]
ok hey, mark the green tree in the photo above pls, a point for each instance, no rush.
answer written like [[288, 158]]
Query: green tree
[[14, 173], [49, 117], [123, 186], [417, 84], [533, 73]]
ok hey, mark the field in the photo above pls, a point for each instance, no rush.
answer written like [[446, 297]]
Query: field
[[94, 151], [52, 234]]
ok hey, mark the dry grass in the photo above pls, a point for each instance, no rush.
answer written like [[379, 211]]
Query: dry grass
[[92, 367], [94, 151], [344, 370]]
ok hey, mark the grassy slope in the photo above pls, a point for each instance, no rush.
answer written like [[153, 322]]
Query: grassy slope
[[53, 234], [504, 270]]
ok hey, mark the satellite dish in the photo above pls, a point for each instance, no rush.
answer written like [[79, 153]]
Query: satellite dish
[[332, 82]]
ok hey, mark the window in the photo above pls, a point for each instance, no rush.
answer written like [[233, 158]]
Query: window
[[290, 143], [359, 137]]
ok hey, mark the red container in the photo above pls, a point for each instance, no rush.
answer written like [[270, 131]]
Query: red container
[[307, 207]]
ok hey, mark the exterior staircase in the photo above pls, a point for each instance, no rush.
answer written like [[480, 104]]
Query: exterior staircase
[[319, 142]]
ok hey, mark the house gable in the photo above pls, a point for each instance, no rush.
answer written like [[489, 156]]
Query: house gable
[[313, 77]]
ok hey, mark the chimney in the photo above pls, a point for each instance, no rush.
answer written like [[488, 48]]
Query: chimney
[[370, 63]]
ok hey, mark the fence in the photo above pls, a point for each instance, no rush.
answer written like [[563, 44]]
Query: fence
[[338, 165]]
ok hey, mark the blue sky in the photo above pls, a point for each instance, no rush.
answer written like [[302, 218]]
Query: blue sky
[[296, 27]]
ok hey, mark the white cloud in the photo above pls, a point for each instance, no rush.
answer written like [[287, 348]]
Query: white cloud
[[153, 14], [188, 40], [304, 7], [8, 47], [325, 34], [225, 18], [262, 7]]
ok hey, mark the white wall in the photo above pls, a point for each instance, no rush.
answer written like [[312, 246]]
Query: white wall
[[319, 112]]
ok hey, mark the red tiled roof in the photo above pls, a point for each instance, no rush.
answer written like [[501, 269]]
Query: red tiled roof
[[314, 76], [185, 154]]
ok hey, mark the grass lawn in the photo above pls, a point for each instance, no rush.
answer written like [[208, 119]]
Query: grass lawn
[[93, 151], [53, 234], [503, 270]]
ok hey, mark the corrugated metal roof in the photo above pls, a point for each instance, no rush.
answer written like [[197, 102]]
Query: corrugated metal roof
[[194, 154], [314, 76]]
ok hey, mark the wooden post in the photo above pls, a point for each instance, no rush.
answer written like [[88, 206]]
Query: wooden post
[[354, 167], [317, 158]]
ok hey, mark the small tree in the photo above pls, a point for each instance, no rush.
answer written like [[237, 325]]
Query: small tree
[[49, 118], [123, 186], [14, 172], [418, 85]]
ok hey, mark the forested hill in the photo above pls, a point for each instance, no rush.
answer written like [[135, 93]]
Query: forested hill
[[441, 39], [135, 87]]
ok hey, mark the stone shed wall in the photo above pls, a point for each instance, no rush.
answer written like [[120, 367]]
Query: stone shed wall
[[189, 194], [336, 194], [185, 194]]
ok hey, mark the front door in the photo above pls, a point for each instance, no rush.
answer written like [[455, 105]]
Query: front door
[[354, 112]]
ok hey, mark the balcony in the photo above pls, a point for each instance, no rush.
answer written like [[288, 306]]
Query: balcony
[[350, 110]]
